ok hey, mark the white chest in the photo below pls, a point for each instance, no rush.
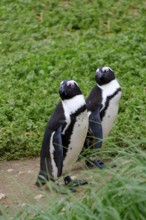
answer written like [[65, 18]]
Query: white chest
[[110, 114], [110, 105], [76, 142]]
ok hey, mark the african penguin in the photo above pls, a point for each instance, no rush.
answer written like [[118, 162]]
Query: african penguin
[[110, 97], [102, 104], [64, 135]]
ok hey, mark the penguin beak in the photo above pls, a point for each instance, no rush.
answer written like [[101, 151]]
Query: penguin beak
[[62, 90], [99, 74]]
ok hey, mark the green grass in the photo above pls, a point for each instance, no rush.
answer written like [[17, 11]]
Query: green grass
[[113, 194], [45, 42]]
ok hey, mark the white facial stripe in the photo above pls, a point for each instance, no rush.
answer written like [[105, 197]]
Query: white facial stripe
[[71, 83], [105, 69]]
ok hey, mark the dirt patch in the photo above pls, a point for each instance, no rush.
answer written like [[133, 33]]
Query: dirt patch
[[17, 182]]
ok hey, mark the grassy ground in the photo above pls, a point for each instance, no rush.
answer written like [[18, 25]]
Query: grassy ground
[[45, 42], [112, 194]]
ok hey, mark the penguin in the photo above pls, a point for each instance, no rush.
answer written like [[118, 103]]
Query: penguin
[[64, 136], [111, 93], [102, 105]]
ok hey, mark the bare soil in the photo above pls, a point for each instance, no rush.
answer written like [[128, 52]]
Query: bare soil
[[17, 183]]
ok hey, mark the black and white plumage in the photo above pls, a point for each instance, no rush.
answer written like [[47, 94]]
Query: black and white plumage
[[110, 97], [64, 135], [102, 105]]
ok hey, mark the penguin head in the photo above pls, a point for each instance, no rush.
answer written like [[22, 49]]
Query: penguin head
[[104, 75], [69, 89]]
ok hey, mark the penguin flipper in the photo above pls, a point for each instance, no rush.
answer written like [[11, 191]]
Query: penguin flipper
[[58, 153], [95, 127], [95, 130], [46, 165]]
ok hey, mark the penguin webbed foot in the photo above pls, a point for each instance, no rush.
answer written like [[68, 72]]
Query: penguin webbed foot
[[113, 165], [98, 163], [41, 181], [74, 183], [95, 163]]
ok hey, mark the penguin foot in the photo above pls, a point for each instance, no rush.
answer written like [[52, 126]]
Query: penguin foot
[[64, 190], [73, 183], [41, 180], [67, 180], [73, 190], [76, 182], [97, 163], [113, 165]]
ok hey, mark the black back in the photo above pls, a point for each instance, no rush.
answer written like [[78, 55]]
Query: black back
[[94, 99], [56, 120]]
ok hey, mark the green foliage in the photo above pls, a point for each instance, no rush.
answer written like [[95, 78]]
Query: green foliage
[[45, 42], [113, 194]]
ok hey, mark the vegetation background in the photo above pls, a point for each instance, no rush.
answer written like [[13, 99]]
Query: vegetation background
[[44, 42]]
